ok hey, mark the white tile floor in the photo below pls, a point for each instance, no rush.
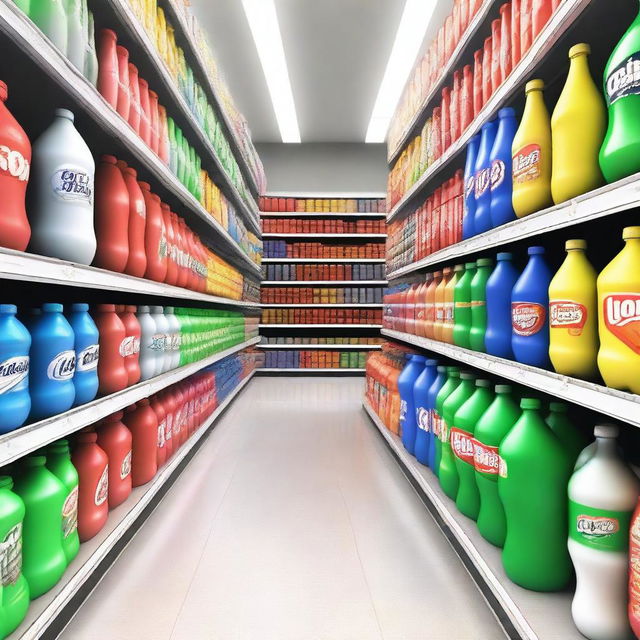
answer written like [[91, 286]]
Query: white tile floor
[[292, 522]]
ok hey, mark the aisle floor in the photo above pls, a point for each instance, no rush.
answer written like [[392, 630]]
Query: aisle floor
[[292, 522]]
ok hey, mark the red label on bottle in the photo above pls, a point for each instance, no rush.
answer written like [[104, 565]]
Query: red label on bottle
[[462, 444], [526, 163], [622, 317], [486, 459], [634, 572], [527, 318], [566, 314]]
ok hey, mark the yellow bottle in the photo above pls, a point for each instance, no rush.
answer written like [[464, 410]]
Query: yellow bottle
[[578, 125], [573, 339], [438, 325], [531, 155], [447, 325], [161, 42]]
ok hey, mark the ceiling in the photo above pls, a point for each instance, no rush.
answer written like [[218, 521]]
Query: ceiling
[[336, 52]]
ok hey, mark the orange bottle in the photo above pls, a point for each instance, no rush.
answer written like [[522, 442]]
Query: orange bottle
[[430, 305], [410, 310], [393, 402], [447, 325], [421, 306], [438, 325], [619, 316]]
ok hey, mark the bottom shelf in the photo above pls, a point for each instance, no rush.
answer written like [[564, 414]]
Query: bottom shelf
[[524, 614], [50, 613]]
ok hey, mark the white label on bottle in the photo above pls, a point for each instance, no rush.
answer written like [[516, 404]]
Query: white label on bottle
[[14, 164], [70, 513], [87, 359], [125, 467], [11, 556], [73, 184], [161, 428], [102, 490], [62, 366], [158, 342], [12, 372], [141, 209]]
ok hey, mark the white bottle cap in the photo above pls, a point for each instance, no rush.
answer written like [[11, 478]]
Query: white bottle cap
[[65, 113], [606, 431]]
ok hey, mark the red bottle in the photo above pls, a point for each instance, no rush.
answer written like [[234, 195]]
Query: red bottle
[[505, 43], [161, 416], [108, 66], [170, 409], [455, 105], [130, 347], [137, 262], [496, 71], [525, 26], [15, 164], [515, 33], [111, 216], [115, 440], [172, 265], [478, 98], [124, 96], [448, 36], [179, 251], [445, 123], [435, 220], [145, 112], [92, 465], [542, 10], [154, 122], [155, 244], [436, 132], [178, 419], [487, 88], [163, 143], [457, 30], [143, 424], [112, 375], [134, 97], [466, 99]]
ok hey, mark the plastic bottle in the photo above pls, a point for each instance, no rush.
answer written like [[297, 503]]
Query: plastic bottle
[[430, 305], [406, 381], [106, 43], [149, 365], [172, 267], [174, 337], [484, 268], [468, 226], [432, 395], [59, 463], [87, 350], [112, 374], [534, 472], [61, 193], [531, 155], [482, 219], [43, 557], [93, 471], [573, 339], [115, 440], [568, 434], [448, 303], [155, 242], [143, 424], [494, 424], [421, 402], [463, 446], [130, 348], [497, 338], [76, 45], [438, 325], [145, 111], [137, 261], [161, 415], [578, 125], [15, 167], [439, 429], [135, 109], [602, 497], [52, 363], [123, 105], [501, 205], [161, 340], [619, 316], [51, 19], [529, 303], [91, 57], [462, 306]]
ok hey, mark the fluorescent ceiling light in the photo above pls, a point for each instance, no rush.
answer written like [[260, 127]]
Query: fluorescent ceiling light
[[413, 25], [265, 29]]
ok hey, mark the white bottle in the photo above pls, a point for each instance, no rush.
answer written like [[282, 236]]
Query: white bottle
[[174, 334], [162, 339], [602, 497], [91, 57], [60, 202], [148, 354], [76, 33]]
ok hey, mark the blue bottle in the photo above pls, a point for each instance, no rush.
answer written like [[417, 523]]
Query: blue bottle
[[501, 178], [85, 378], [420, 399], [15, 341], [497, 337], [53, 363], [529, 306], [468, 229], [482, 219], [406, 380], [434, 390]]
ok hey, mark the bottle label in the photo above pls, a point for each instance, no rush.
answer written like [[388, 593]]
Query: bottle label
[[526, 164], [87, 359], [443, 431], [448, 312], [498, 170], [486, 459], [162, 248], [462, 444], [422, 418], [127, 346], [567, 314], [599, 529], [70, 513], [622, 318], [141, 210], [469, 186], [158, 342], [62, 366], [527, 318], [161, 428], [483, 181], [624, 80], [168, 434], [73, 184], [14, 164], [125, 467], [102, 490], [11, 556], [634, 572], [434, 419], [403, 410], [503, 470], [13, 371]]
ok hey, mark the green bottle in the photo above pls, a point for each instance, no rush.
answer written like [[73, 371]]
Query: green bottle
[[91, 57], [59, 463], [76, 33], [453, 380], [179, 155], [479, 304], [462, 306], [535, 470], [15, 590], [448, 474], [572, 439], [51, 18], [43, 559], [462, 445], [491, 429], [173, 146], [23, 5]]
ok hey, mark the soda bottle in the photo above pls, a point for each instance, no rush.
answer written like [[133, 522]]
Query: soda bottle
[[155, 242], [602, 496], [123, 106], [483, 168], [448, 303], [463, 443], [130, 347], [484, 267], [421, 402], [501, 204], [468, 228], [568, 434], [108, 75], [51, 19], [112, 373], [577, 130], [137, 261], [497, 337], [161, 340], [145, 111], [430, 305], [407, 379], [91, 58], [620, 152], [491, 428], [161, 415], [115, 440], [143, 424], [531, 155], [529, 302], [432, 394], [148, 360], [174, 337], [87, 349], [573, 340], [534, 472], [451, 383], [438, 325], [134, 105], [76, 45], [619, 316]]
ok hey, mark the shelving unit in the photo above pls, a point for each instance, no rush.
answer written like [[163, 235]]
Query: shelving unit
[[310, 370], [353, 347], [304, 283], [355, 305], [313, 236], [324, 214], [320, 326], [323, 260]]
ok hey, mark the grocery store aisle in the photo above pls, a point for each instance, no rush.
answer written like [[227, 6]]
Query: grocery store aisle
[[292, 522]]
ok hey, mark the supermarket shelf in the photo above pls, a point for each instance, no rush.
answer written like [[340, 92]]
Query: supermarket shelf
[[18, 443], [319, 214], [16, 265], [355, 305], [322, 260], [447, 68], [610, 199], [320, 326], [617, 404], [48, 614], [137, 31], [365, 195], [360, 236], [324, 347], [30, 40], [314, 282], [524, 614], [305, 370], [564, 16], [184, 34]]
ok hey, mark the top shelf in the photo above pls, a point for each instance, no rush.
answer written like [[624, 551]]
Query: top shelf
[[320, 214], [349, 195]]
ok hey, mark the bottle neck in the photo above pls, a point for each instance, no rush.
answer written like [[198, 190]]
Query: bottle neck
[[534, 103], [578, 67], [606, 448]]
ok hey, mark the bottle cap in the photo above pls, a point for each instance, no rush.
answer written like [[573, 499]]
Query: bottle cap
[[119, 308], [579, 49], [143, 308], [130, 308], [630, 232], [606, 431], [442, 369], [446, 271], [80, 307], [507, 112], [535, 251], [8, 308], [453, 371], [122, 51], [530, 403], [466, 375], [534, 85], [34, 461], [575, 244], [106, 308], [144, 402], [484, 262], [558, 407], [130, 171], [418, 358], [470, 265], [503, 388], [504, 255], [437, 274], [65, 113], [6, 482], [482, 382], [145, 186], [157, 309], [89, 436], [458, 268], [52, 307], [108, 159], [488, 125], [431, 363], [169, 310], [4, 91]]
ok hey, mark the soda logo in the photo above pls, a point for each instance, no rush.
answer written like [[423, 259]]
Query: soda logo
[[161, 428], [62, 366], [14, 164], [11, 556], [566, 314], [12, 372], [462, 444], [158, 342], [526, 164], [128, 347], [168, 433], [136, 345], [483, 180], [469, 186], [498, 171], [73, 184], [624, 80], [102, 490], [486, 459], [422, 418], [87, 359], [448, 312], [622, 317], [527, 318], [597, 526], [125, 467], [443, 431], [70, 513]]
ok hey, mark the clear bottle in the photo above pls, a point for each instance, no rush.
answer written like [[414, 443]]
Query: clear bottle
[[174, 335], [161, 340], [148, 354]]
